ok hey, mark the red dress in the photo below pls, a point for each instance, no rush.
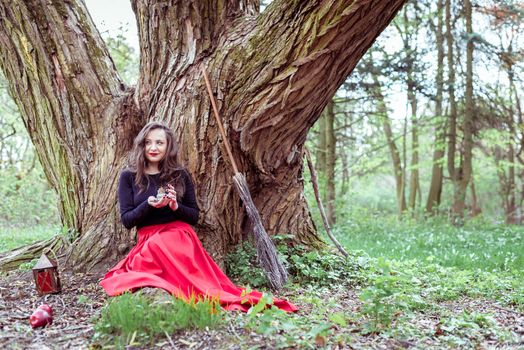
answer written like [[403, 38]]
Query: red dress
[[170, 256]]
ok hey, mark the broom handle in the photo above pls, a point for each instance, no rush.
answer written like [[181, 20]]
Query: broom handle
[[217, 118]]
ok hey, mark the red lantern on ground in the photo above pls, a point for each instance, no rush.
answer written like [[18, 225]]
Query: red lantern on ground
[[46, 277]]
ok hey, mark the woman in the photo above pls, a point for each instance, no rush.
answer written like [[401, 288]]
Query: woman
[[157, 196]]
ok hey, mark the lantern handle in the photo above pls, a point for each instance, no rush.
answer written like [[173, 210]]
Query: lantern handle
[[54, 255]]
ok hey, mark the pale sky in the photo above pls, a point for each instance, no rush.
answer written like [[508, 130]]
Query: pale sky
[[110, 16]]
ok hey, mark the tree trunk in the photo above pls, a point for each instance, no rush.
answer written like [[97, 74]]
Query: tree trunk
[[515, 118], [272, 73], [77, 112], [505, 160], [511, 209], [345, 138], [321, 147], [437, 176], [452, 136], [466, 167], [407, 30], [460, 175], [475, 209], [331, 146], [414, 173], [396, 161]]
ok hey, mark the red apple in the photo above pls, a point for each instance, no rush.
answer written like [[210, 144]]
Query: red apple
[[47, 309], [40, 318]]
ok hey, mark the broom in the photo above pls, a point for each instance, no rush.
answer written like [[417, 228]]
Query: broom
[[266, 251]]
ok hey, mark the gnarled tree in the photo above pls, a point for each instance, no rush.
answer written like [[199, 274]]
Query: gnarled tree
[[273, 74]]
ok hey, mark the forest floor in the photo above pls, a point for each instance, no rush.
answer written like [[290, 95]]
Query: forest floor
[[406, 285], [466, 322]]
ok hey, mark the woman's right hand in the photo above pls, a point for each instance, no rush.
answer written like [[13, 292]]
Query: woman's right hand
[[158, 203]]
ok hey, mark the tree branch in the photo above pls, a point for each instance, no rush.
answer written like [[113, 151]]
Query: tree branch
[[297, 56]]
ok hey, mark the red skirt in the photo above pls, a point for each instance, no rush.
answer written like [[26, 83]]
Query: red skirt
[[170, 256]]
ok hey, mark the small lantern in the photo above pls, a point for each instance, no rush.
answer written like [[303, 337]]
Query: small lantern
[[46, 277]]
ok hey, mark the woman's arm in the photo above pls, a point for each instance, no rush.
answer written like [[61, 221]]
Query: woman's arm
[[129, 214], [188, 208]]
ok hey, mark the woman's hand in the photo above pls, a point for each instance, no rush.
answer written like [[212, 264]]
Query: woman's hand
[[158, 203], [171, 195]]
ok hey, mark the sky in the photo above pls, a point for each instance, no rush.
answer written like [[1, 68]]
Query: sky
[[113, 16]]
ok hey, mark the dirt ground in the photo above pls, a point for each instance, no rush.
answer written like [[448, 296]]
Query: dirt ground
[[76, 308]]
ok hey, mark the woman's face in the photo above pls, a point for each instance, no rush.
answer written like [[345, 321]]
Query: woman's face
[[155, 146]]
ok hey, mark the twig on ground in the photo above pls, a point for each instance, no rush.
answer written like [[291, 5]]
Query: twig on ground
[[508, 310], [170, 340], [234, 331], [76, 335]]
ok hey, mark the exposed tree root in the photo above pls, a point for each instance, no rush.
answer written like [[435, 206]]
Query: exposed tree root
[[11, 260]]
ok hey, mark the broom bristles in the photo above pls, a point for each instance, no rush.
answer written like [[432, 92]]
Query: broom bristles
[[266, 250]]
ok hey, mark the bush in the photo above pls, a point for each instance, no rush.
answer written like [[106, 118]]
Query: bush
[[305, 266], [242, 266]]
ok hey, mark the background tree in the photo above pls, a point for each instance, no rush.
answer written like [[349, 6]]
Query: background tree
[[441, 89], [437, 172], [501, 114], [326, 159]]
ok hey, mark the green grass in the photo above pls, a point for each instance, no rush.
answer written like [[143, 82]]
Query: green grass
[[477, 245], [132, 319], [398, 298], [12, 236]]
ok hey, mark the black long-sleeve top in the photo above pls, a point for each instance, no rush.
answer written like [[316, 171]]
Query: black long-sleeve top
[[135, 211]]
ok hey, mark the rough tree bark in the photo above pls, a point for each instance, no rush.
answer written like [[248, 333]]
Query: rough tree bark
[[273, 74], [505, 164], [452, 135]]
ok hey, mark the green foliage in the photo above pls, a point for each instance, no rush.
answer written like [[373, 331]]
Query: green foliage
[[467, 330], [396, 290], [27, 200], [12, 236], [387, 296], [241, 266], [27, 266], [393, 295], [324, 267], [132, 319], [479, 244], [285, 329], [125, 58], [305, 266]]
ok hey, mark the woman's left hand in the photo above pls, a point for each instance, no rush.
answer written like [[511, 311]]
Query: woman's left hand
[[171, 194]]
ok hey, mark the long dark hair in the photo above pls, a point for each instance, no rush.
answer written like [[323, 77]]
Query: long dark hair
[[170, 168]]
